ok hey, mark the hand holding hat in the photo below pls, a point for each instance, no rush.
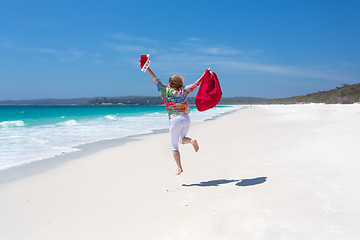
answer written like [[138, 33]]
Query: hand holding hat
[[144, 62]]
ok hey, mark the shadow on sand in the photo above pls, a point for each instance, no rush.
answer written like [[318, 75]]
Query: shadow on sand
[[241, 182], [251, 182]]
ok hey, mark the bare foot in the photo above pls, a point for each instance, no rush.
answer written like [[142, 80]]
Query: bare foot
[[180, 171], [195, 144]]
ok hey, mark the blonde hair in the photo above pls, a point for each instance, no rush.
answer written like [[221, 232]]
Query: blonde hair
[[176, 81]]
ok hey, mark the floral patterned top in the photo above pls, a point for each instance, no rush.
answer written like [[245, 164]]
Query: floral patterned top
[[175, 100]]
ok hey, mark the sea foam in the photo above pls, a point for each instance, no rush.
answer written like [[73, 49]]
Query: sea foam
[[8, 124], [24, 143], [110, 117], [71, 122]]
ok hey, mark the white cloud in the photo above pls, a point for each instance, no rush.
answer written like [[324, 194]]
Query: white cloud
[[291, 71], [218, 51], [124, 47], [6, 44], [77, 53], [256, 52], [191, 56], [12, 45], [129, 48], [186, 63], [66, 60], [47, 50], [195, 39], [128, 37], [64, 56]]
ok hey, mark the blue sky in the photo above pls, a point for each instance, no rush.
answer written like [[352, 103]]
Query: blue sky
[[69, 49]]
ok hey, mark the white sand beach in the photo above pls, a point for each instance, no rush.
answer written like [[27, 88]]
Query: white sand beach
[[265, 172]]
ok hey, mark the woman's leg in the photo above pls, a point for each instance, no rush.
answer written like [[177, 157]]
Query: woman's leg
[[184, 131], [176, 125], [176, 155], [192, 141], [179, 127]]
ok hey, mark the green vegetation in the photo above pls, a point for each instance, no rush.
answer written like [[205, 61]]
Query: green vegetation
[[158, 100], [127, 101], [346, 94], [50, 101]]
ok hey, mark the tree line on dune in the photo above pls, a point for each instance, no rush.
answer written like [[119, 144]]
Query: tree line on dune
[[345, 94]]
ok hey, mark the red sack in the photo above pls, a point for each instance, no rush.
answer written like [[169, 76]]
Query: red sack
[[209, 93]]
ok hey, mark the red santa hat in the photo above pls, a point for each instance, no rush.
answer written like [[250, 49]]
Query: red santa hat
[[144, 62]]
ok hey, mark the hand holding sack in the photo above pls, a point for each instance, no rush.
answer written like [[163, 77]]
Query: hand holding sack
[[144, 62], [209, 93]]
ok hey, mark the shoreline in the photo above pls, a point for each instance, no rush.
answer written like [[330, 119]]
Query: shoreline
[[39, 166]]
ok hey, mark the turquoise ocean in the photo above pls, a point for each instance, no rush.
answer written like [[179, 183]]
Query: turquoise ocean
[[33, 133]]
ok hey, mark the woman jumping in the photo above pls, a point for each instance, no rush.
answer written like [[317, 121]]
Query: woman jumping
[[175, 99]]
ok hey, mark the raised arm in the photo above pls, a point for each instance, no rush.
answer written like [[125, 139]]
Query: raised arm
[[152, 75], [201, 76], [190, 88], [161, 88]]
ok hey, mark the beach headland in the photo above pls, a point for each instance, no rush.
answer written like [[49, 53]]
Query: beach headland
[[265, 172]]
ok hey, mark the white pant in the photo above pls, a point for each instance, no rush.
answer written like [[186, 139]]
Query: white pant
[[179, 127]]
